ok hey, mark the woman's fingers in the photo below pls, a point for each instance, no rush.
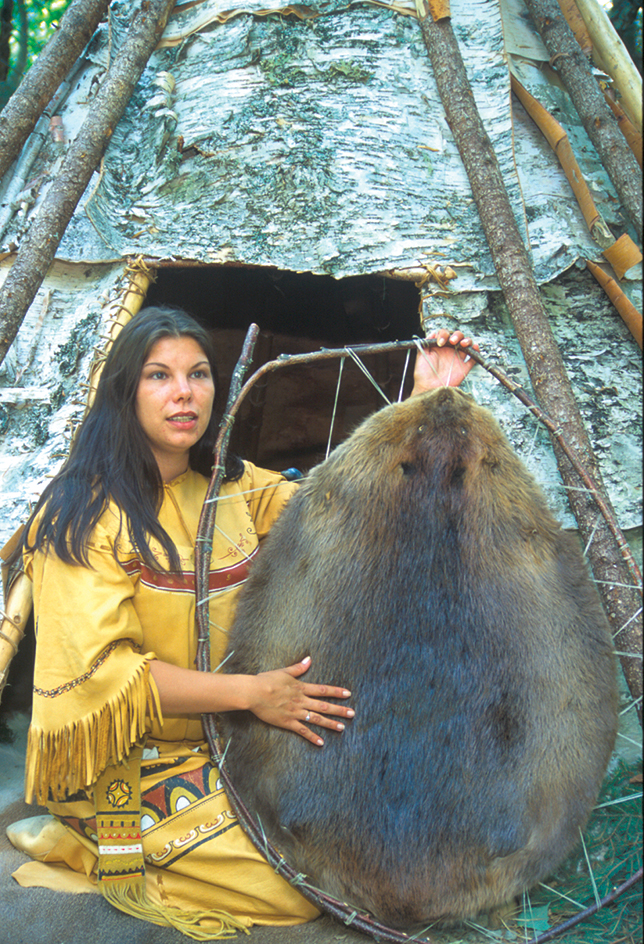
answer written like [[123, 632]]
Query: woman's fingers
[[320, 720], [298, 704], [329, 708]]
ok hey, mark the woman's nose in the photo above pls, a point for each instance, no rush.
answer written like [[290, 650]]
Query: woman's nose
[[182, 389]]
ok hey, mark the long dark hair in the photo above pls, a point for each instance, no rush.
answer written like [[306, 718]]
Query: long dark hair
[[111, 459]]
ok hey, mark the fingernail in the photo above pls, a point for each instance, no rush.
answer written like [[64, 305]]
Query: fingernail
[[350, 713], [306, 659], [440, 342], [467, 358], [340, 727], [346, 694], [319, 742]]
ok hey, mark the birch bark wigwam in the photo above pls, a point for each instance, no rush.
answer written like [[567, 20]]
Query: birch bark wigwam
[[622, 601], [38, 248]]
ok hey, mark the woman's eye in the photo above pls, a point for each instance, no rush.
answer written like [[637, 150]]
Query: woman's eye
[[200, 374]]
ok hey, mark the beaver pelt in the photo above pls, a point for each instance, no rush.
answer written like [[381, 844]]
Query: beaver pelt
[[420, 567]]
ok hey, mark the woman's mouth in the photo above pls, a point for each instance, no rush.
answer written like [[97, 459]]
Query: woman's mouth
[[183, 419]]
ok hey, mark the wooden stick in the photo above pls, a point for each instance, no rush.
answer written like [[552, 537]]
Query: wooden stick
[[206, 526], [622, 253], [14, 619], [610, 55], [141, 275], [631, 316], [575, 21], [38, 248], [597, 118], [24, 108], [626, 126], [558, 141], [532, 328]]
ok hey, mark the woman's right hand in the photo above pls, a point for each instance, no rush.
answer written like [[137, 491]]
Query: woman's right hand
[[277, 697], [281, 699]]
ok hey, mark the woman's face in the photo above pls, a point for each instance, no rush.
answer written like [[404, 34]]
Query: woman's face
[[174, 401]]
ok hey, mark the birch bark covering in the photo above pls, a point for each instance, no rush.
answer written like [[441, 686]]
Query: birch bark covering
[[39, 247], [20, 114], [321, 145]]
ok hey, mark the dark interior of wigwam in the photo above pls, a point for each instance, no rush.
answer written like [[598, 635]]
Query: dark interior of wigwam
[[285, 421]]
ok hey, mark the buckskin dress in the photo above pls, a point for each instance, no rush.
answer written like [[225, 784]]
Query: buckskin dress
[[98, 628]]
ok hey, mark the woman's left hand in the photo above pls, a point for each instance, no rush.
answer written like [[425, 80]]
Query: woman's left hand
[[444, 364]]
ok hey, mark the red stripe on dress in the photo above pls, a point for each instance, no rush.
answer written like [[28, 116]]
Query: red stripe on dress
[[184, 582]]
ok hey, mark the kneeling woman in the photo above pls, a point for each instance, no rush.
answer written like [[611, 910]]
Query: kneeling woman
[[116, 747]]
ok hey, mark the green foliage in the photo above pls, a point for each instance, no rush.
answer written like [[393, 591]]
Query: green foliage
[[43, 17], [626, 17]]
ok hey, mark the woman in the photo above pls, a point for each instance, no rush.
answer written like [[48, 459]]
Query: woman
[[117, 702]]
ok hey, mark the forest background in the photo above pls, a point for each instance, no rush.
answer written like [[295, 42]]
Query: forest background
[[26, 26]]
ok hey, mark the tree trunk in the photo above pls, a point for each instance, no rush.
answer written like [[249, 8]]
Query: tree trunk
[[6, 25], [24, 108], [551, 384], [39, 246], [611, 56], [597, 118]]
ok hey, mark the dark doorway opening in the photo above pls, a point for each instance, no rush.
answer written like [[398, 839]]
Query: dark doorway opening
[[286, 419], [359, 309]]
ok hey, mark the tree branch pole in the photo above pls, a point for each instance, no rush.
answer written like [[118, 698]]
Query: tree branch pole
[[610, 54], [622, 600], [39, 246], [597, 118], [19, 116]]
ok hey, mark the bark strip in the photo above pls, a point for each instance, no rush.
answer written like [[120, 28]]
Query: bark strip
[[622, 601], [597, 118], [39, 247], [19, 116]]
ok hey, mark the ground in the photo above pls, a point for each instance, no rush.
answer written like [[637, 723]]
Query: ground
[[41, 916]]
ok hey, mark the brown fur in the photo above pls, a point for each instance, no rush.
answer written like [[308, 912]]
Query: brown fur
[[421, 567]]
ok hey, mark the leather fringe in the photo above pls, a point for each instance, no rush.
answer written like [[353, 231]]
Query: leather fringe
[[132, 900], [71, 758]]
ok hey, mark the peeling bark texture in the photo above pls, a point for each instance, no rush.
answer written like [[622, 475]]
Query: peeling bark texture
[[601, 126], [543, 359], [19, 116], [39, 247]]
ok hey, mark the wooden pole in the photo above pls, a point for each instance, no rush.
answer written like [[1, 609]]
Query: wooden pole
[[19, 116], [38, 248], [611, 55], [622, 601], [597, 118]]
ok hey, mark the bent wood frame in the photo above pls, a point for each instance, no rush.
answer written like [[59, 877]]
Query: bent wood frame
[[360, 921]]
